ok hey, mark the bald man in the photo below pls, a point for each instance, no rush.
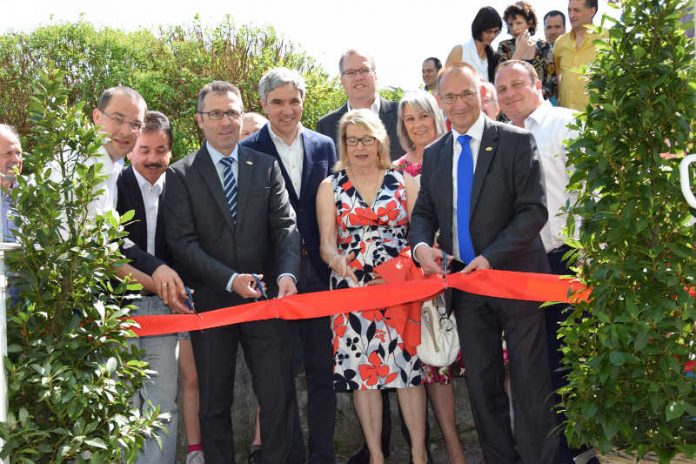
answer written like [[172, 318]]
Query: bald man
[[10, 167]]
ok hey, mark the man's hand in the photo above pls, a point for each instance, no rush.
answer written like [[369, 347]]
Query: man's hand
[[286, 286], [244, 285], [430, 259], [171, 289], [477, 263]]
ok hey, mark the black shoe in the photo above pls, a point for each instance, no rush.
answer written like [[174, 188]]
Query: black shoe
[[362, 456], [255, 456]]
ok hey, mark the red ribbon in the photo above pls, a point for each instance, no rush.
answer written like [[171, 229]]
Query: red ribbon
[[405, 284]]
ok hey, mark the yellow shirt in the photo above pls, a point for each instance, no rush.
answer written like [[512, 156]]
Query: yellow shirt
[[572, 86]]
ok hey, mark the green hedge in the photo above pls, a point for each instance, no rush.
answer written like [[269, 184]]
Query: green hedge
[[167, 67]]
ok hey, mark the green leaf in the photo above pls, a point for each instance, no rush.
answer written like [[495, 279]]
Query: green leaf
[[674, 410], [96, 443]]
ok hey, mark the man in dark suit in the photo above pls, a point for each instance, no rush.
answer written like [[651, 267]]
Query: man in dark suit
[[482, 187], [359, 80], [306, 158], [231, 228], [139, 188]]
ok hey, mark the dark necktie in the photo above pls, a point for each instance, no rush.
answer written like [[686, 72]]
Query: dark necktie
[[465, 180], [229, 185]]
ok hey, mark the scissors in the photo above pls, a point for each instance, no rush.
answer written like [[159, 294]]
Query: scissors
[[189, 301], [259, 286]]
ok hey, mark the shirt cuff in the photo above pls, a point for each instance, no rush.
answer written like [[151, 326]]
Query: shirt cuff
[[287, 274], [230, 282], [413, 254]]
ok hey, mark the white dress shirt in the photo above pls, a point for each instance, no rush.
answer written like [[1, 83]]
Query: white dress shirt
[[151, 196], [549, 125], [216, 156], [376, 105], [476, 134], [292, 156], [106, 201]]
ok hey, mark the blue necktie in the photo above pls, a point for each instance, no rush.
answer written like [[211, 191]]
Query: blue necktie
[[465, 180], [229, 185]]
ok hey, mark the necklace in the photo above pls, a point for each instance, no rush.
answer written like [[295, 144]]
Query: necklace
[[367, 187]]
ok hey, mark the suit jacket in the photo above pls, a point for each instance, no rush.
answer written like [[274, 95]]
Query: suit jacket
[[208, 246], [388, 114], [130, 198], [319, 158], [508, 204]]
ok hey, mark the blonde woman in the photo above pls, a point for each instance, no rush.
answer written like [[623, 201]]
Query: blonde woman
[[362, 211]]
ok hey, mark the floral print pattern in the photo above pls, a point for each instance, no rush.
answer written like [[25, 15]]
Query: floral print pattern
[[543, 63], [368, 352]]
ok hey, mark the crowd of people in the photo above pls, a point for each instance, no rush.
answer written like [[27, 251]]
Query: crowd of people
[[469, 172]]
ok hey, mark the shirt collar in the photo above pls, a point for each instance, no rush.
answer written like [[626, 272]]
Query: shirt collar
[[277, 138], [216, 156], [475, 131], [589, 33], [538, 115], [143, 182], [106, 162], [375, 107]]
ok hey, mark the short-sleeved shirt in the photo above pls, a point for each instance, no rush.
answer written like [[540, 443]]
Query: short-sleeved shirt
[[572, 86]]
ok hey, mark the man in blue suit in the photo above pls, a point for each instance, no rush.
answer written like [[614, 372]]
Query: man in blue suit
[[306, 158]]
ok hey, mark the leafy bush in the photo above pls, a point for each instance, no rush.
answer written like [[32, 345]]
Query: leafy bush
[[71, 374], [627, 347], [168, 68]]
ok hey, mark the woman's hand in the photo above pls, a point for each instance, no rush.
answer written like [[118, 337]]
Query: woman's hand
[[340, 264], [525, 47]]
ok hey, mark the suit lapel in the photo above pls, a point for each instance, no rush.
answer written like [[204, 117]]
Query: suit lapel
[[444, 173], [205, 167], [245, 174], [487, 151], [133, 191], [309, 146]]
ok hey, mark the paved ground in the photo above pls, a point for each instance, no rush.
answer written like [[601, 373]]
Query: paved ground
[[474, 456]]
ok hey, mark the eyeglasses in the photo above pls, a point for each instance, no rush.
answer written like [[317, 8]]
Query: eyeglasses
[[493, 31], [353, 73], [134, 126], [217, 115], [451, 98], [367, 141]]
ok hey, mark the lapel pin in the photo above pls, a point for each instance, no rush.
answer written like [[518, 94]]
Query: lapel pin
[[488, 149], [249, 163]]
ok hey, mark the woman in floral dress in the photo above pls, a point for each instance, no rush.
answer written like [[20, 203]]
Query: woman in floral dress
[[521, 22], [420, 124], [363, 221]]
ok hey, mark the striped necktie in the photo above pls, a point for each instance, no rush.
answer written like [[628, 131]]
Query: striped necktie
[[465, 180], [229, 184]]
